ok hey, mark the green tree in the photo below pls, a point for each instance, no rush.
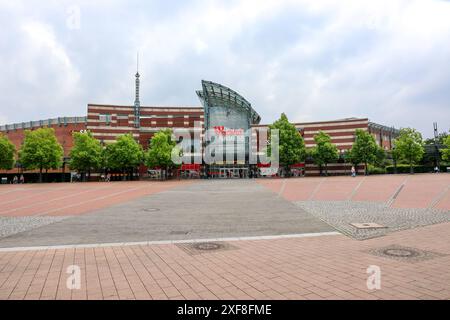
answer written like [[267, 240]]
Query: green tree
[[409, 146], [365, 150], [41, 150], [440, 139], [7, 152], [86, 154], [160, 151], [393, 153], [125, 154], [324, 152], [291, 144], [446, 150]]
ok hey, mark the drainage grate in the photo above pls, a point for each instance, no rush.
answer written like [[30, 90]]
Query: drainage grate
[[208, 246], [405, 254], [150, 209], [205, 247], [179, 232]]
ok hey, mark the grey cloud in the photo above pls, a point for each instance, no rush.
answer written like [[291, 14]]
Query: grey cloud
[[313, 62]]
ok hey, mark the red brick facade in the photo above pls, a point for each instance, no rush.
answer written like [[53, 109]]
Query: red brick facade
[[107, 122]]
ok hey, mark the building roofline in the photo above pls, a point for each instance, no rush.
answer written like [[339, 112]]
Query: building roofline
[[321, 122], [40, 123], [215, 91], [147, 107], [383, 127]]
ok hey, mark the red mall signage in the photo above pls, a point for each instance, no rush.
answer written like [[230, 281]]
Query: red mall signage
[[222, 131]]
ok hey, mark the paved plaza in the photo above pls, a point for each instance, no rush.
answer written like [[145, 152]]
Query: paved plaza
[[228, 239]]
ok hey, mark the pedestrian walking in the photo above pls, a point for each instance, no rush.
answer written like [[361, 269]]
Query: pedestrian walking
[[353, 171]]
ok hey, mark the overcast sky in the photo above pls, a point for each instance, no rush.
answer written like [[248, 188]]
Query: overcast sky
[[314, 60]]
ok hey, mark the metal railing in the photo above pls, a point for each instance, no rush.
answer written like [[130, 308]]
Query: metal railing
[[42, 123]]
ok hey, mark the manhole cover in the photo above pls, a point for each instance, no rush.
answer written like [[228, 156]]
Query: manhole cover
[[403, 253], [150, 209], [208, 246], [205, 247]]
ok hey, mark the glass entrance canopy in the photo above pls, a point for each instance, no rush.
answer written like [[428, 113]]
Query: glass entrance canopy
[[228, 118], [225, 107]]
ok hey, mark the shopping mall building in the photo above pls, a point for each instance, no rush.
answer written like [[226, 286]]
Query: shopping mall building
[[222, 110]]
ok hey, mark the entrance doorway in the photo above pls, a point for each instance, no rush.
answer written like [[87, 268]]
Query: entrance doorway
[[229, 172]]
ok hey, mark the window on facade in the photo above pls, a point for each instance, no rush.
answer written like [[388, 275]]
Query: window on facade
[[105, 118]]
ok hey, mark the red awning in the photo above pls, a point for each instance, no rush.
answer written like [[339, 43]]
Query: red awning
[[193, 166]]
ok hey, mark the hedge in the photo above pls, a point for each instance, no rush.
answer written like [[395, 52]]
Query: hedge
[[376, 170], [404, 168]]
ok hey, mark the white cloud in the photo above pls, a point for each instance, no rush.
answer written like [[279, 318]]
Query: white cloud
[[314, 60]]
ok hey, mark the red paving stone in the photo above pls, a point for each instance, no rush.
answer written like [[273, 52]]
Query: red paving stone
[[419, 191], [336, 189], [76, 198], [326, 267], [379, 188], [444, 203]]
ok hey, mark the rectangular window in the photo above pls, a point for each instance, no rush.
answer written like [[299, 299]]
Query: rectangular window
[[105, 118]]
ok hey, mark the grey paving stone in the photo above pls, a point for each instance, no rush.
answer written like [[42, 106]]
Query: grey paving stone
[[14, 225], [202, 210], [340, 215]]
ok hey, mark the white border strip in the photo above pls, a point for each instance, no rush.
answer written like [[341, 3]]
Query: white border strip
[[147, 243]]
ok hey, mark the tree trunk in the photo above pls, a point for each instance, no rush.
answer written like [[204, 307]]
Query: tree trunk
[[366, 169], [326, 169], [40, 175], [89, 175]]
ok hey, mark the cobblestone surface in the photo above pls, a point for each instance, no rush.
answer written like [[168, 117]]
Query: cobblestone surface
[[13, 225], [340, 214]]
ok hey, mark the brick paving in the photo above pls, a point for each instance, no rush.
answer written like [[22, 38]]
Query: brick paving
[[323, 267], [69, 199], [419, 191], [326, 267]]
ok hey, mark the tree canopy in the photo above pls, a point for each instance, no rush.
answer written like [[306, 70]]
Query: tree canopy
[[440, 139], [409, 146], [291, 144], [86, 154], [125, 154], [324, 152], [41, 150], [7, 152], [160, 151], [446, 150], [365, 149]]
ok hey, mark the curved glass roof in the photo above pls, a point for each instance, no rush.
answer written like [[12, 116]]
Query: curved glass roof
[[216, 94]]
